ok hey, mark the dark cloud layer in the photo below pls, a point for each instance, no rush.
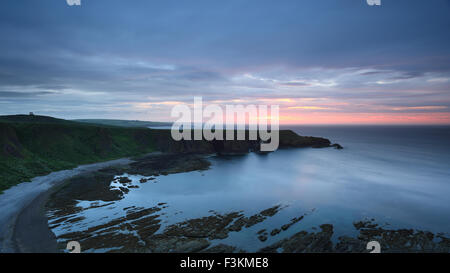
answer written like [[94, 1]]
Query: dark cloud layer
[[9, 94], [137, 51]]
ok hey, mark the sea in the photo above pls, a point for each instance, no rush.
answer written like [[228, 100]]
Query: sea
[[397, 176]]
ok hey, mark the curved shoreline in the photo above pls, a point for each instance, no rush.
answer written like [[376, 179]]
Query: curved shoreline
[[30, 233], [22, 215]]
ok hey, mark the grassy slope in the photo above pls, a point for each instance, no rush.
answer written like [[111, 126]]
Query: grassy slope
[[124, 123], [36, 145]]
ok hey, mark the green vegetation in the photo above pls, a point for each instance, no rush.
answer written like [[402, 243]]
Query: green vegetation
[[36, 145], [124, 123]]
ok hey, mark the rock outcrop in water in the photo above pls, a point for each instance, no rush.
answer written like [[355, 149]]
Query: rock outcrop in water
[[288, 139]]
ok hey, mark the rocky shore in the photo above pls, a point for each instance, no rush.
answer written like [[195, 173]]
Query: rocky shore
[[391, 241], [22, 201], [141, 229]]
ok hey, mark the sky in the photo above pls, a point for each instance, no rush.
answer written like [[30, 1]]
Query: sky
[[321, 61]]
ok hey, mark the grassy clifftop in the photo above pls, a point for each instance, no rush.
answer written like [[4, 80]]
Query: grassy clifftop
[[36, 145], [124, 123]]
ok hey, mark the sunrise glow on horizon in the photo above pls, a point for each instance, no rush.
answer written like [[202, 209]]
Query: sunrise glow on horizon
[[294, 111], [323, 62]]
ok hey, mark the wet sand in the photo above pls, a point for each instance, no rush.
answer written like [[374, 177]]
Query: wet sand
[[22, 218]]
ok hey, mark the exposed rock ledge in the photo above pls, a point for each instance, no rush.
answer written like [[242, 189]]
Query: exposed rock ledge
[[288, 139]]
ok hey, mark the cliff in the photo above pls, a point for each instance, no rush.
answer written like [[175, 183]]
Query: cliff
[[37, 145], [288, 139]]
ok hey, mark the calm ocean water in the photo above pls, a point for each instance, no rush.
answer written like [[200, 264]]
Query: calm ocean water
[[399, 176]]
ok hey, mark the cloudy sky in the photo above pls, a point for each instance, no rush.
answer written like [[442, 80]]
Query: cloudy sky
[[322, 61]]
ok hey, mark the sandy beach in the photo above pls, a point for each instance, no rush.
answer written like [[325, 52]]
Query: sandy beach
[[22, 217]]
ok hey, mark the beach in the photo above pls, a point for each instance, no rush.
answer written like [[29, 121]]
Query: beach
[[22, 215]]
